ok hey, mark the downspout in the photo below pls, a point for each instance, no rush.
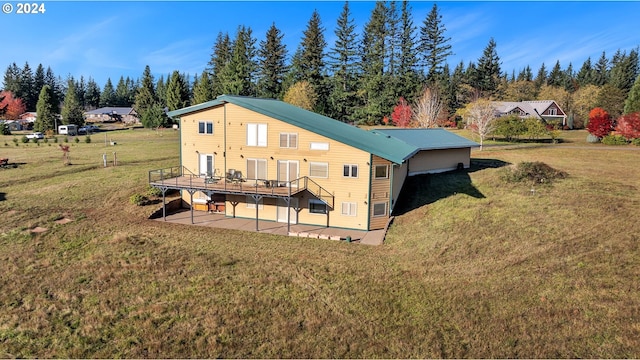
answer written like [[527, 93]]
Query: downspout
[[369, 191]]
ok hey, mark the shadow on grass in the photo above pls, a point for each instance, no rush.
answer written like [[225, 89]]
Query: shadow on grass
[[3, 196], [425, 189]]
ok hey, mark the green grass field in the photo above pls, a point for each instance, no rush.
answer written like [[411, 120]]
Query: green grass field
[[474, 267]]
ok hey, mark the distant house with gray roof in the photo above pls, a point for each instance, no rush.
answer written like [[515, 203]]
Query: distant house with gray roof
[[545, 110], [126, 115]]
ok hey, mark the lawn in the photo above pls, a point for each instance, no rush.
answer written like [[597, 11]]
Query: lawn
[[473, 267]]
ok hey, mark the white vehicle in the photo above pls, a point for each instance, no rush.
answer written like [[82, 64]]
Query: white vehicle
[[35, 135], [68, 129]]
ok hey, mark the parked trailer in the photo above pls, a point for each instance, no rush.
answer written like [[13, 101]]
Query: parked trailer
[[68, 130]]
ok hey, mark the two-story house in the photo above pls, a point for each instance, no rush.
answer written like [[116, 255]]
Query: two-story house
[[269, 160], [544, 110]]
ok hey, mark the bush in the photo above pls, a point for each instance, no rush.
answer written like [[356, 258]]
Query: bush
[[537, 172], [636, 142], [15, 141], [153, 191], [138, 199], [4, 129], [592, 139], [614, 140], [66, 139], [55, 139], [25, 139], [87, 139], [76, 140]]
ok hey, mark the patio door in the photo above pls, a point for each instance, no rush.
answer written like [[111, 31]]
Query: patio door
[[282, 211], [206, 165], [287, 171]]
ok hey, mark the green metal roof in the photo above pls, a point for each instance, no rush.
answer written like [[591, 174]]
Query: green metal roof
[[378, 144], [428, 139]]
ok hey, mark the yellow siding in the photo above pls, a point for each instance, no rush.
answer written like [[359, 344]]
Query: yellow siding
[[434, 161], [380, 193], [344, 189]]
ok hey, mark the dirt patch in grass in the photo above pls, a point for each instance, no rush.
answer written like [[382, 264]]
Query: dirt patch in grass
[[38, 230], [63, 221]]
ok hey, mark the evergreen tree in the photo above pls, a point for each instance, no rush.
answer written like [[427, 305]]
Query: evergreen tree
[[624, 70], [343, 65], [161, 89], [45, 108], [38, 79], [586, 74], [72, 112], [393, 46], [312, 55], [12, 79], [569, 81], [601, 71], [121, 95], [108, 95], [55, 85], [81, 89], [556, 76], [525, 74], [541, 78], [612, 100], [203, 89], [177, 96], [147, 104], [408, 78], [632, 103], [236, 77], [488, 69], [219, 59], [132, 90], [272, 63], [435, 48], [92, 95], [372, 81], [27, 91]]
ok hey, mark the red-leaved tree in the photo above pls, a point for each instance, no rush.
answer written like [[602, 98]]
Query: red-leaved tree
[[13, 107], [629, 126], [600, 123], [401, 115]]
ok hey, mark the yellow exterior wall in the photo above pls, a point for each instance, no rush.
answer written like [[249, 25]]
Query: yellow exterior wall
[[433, 161], [234, 154]]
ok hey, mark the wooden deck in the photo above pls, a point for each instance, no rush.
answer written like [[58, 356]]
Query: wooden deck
[[223, 186]]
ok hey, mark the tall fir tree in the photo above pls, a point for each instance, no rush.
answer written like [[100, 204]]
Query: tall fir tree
[[121, 93], [434, 45], [177, 96], [12, 79], [38, 80], [541, 77], [632, 103], [92, 95], [601, 71], [81, 89], [569, 80], [220, 57], [556, 76], [46, 110], [108, 95], [408, 78], [27, 91], [55, 85], [272, 56], [161, 89], [203, 90], [237, 76], [72, 112], [624, 70], [147, 103], [585, 75], [343, 65], [488, 71], [312, 60]]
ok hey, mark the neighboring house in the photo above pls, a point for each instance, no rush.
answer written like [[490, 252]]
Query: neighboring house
[[269, 160], [112, 114], [545, 110], [14, 125]]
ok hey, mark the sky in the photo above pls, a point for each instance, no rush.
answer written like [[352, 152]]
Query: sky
[[109, 39]]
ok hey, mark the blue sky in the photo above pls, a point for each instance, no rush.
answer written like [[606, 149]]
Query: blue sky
[[114, 38]]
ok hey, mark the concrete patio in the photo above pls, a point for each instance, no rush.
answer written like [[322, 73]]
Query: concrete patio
[[215, 220]]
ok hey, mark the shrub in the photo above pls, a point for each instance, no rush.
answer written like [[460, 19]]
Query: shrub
[[138, 199], [537, 172], [629, 126], [614, 140], [76, 140], [87, 139], [25, 139], [15, 141], [153, 191], [636, 142], [55, 139], [600, 123], [4, 129], [592, 139], [66, 139], [46, 140]]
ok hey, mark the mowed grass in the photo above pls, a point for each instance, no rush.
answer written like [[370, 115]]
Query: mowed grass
[[473, 267]]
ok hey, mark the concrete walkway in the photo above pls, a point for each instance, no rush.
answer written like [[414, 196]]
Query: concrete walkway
[[201, 218]]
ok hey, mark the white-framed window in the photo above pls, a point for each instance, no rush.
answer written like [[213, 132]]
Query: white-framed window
[[251, 203], [257, 169], [317, 206], [349, 209], [553, 111], [289, 140], [350, 170], [256, 134], [319, 146], [381, 172], [380, 209], [205, 127], [318, 170]]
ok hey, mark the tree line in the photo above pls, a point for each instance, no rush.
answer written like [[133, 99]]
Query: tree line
[[359, 78]]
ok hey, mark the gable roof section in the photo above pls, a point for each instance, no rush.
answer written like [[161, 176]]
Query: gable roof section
[[377, 144], [428, 139], [531, 108], [111, 110]]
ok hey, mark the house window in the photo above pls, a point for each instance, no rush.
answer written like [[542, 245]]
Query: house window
[[553, 111], [289, 140], [381, 172], [205, 127], [251, 203], [318, 170], [350, 171], [317, 206], [257, 169], [319, 146], [256, 134], [380, 209], [349, 209]]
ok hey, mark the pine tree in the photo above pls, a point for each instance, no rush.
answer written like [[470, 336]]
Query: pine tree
[[408, 77], [586, 74], [81, 89], [434, 46], [92, 95], [488, 70], [624, 69], [45, 109], [72, 112], [343, 65], [236, 77], [601, 71], [632, 103], [108, 95], [203, 90], [219, 59], [312, 55], [55, 85], [121, 95], [27, 92], [12, 79], [177, 96], [569, 81], [147, 102], [272, 63], [38, 79], [161, 89], [556, 76]]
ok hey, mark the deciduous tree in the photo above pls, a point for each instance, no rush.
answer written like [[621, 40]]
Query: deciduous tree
[[427, 108], [10, 107], [629, 126], [301, 94], [402, 114], [600, 124], [480, 116]]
